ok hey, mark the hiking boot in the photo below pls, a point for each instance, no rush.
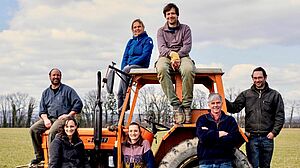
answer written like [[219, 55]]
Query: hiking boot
[[179, 116], [36, 161], [188, 115]]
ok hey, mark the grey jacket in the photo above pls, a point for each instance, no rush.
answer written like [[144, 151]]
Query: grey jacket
[[178, 40], [264, 110]]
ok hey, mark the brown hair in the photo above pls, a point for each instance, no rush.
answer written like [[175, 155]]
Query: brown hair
[[168, 7], [62, 132], [260, 69], [139, 21], [127, 139]]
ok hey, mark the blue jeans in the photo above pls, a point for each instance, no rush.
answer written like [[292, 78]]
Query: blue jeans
[[220, 165], [259, 151]]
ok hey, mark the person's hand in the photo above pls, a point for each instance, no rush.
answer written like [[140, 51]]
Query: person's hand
[[175, 64], [204, 128], [175, 60], [222, 133], [270, 135], [63, 116], [47, 123]]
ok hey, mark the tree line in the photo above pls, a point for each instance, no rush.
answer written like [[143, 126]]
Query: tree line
[[21, 110]]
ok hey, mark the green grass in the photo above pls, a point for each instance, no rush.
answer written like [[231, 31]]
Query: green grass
[[16, 148]]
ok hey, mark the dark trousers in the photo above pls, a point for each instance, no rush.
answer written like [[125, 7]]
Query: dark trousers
[[259, 151], [36, 131]]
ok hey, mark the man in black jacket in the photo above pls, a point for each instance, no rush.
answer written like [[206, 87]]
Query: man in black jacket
[[264, 118]]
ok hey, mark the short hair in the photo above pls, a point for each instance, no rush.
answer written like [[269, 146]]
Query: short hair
[[139, 21], [213, 96], [168, 7], [259, 69], [53, 70]]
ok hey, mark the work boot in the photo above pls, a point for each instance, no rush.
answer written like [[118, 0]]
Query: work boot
[[188, 115], [36, 161], [179, 116]]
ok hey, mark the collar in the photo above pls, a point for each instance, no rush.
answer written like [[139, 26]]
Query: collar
[[142, 35], [166, 27]]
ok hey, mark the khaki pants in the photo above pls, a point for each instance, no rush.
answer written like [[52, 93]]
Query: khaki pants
[[187, 71]]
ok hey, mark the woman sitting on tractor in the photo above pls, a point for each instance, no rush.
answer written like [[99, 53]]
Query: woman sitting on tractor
[[67, 149], [136, 151]]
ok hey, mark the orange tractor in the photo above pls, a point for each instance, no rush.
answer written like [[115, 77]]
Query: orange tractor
[[178, 146]]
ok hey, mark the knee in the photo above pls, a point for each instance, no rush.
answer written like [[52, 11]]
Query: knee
[[162, 67], [32, 130], [126, 69], [188, 71]]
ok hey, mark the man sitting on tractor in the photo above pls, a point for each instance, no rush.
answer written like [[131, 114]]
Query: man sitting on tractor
[[174, 44]]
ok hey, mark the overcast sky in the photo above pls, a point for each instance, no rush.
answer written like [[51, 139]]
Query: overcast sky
[[83, 36]]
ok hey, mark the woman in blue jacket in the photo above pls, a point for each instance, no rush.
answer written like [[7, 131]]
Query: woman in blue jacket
[[137, 54]]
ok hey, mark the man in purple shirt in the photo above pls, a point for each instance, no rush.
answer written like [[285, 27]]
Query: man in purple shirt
[[174, 44]]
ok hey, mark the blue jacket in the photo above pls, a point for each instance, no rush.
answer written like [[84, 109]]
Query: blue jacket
[[62, 102], [212, 149], [138, 51]]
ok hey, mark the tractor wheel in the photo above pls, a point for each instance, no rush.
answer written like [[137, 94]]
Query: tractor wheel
[[184, 155]]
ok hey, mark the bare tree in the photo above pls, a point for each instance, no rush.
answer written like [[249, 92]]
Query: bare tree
[[154, 104], [31, 106], [199, 100], [4, 102], [231, 94], [88, 108], [18, 104]]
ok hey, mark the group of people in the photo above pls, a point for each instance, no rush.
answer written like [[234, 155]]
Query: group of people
[[218, 133]]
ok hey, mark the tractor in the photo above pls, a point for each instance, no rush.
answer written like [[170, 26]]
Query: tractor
[[178, 145]]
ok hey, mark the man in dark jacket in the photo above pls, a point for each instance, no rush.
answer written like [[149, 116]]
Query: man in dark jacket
[[57, 103], [264, 118], [218, 134]]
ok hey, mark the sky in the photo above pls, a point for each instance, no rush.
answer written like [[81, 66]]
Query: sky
[[81, 37]]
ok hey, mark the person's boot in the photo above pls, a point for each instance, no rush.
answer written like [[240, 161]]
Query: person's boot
[[36, 161], [188, 115], [179, 116]]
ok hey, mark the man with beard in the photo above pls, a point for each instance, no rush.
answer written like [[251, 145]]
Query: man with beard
[[57, 103], [174, 41], [264, 118]]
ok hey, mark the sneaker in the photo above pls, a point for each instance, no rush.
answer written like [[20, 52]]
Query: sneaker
[[188, 115], [179, 116]]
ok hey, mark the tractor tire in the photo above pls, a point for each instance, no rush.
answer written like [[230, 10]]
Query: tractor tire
[[240, 160], [184, 155]]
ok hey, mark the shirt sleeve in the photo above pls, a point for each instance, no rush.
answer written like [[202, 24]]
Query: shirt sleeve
[[187, 42], [55, 154], [125, 56], [148, 155], [162, 45]]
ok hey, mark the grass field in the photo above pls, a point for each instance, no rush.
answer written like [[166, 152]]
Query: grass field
[[16, 148]]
